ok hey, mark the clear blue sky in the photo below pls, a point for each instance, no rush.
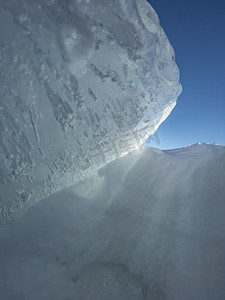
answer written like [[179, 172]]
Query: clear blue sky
[[196, 30]]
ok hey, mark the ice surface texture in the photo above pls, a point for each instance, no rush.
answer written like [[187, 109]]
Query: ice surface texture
[[82, 83]]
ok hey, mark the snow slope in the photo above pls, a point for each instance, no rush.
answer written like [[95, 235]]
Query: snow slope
[[149, 226]]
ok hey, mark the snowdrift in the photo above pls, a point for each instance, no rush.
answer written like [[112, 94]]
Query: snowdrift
[[149, 225]]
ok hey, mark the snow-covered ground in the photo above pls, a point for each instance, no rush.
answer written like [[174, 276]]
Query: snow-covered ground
[[150, 225]]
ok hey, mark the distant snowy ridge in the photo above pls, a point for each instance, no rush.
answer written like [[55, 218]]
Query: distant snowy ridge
[[194, 150], [82, 83]]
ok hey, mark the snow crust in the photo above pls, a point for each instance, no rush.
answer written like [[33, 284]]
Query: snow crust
[[82, 83], [147, 226]]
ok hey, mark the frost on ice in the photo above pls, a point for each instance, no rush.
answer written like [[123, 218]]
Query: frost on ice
[[82, 83]]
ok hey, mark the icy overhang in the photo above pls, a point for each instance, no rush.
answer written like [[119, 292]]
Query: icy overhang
[[82, 83]]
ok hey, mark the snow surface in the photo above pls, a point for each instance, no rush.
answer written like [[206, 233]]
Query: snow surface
[[82, 83], [148, 226]]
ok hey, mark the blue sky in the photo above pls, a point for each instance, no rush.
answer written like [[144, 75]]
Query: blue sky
[[196, 30]]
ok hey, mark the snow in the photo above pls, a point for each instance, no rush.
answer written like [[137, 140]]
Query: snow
[[82, 83], [149, 225]]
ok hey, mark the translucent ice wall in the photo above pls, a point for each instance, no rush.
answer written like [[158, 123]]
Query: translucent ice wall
[[83, 82]]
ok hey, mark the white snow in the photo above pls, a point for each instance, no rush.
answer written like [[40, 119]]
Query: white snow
[[149, 225], [83, 83]]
